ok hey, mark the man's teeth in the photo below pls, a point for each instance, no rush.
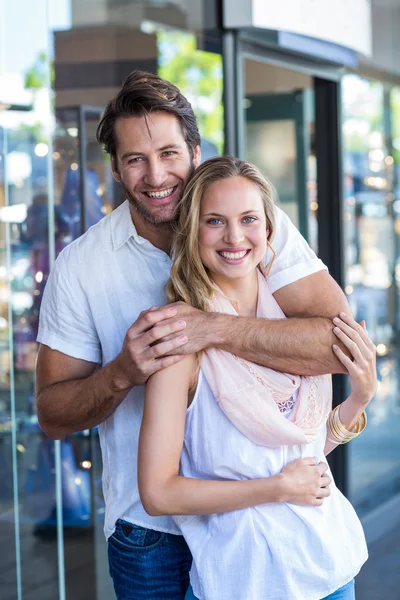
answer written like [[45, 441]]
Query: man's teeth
[[161, 194], [234, 255]]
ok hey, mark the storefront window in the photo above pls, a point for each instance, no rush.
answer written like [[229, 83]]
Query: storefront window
[[278, 111], [55, 182], [27, 492], [370, 260]]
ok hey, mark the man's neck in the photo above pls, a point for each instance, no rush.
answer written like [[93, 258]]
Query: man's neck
[[158, 235]]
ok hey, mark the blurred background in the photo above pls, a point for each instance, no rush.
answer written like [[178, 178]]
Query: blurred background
[[308, 91]]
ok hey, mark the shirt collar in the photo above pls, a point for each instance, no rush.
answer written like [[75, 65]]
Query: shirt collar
[[122, 227]]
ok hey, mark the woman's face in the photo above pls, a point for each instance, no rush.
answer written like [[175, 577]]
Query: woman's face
[[232, 228]]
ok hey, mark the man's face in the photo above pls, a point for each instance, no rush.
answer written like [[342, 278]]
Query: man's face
[[153, 164]]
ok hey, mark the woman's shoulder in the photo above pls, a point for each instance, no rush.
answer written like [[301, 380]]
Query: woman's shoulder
[[179, 372]]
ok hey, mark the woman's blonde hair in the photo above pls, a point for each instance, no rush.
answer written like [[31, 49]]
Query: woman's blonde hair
[[189, 280]]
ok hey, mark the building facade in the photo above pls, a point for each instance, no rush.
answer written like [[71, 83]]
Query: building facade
[[311, 95]]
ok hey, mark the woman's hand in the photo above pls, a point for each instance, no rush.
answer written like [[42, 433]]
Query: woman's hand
[[305, 482], [361, 366]]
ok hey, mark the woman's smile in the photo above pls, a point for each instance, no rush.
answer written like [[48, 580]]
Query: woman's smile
[[234, 256]]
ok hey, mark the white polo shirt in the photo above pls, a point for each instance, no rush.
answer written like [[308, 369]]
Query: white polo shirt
[[97, 287]]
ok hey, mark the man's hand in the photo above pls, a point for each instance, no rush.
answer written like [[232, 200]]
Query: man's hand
[[146, 347], [198, 328], [305, 482]]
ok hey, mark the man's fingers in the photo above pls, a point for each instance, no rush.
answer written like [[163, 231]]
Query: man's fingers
[[164, 332], [149, 318], [166, 361], [164, 348]]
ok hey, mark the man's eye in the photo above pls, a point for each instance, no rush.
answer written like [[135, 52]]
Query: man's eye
[[169, 153], [135, 160], [249, 219]]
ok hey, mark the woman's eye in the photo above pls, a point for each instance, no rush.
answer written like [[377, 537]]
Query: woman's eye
[[214, 221], [249, 219]]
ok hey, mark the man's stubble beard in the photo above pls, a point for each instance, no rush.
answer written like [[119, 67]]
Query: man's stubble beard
[[145, 213]]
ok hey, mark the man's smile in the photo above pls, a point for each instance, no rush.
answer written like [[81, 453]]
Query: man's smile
[[161, 193]]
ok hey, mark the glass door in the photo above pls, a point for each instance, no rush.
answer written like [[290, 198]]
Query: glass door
[[278, 111]]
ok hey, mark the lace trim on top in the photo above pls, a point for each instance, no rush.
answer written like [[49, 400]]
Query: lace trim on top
[[284, 404], [286, 407]]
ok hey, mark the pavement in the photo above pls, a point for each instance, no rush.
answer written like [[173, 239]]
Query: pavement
[[379, 579]]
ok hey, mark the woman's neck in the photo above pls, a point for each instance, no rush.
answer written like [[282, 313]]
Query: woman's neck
[[243, 293]]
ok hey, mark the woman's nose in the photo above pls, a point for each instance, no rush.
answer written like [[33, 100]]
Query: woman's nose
[[234, 235]]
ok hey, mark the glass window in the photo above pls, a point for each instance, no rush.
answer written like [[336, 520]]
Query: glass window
[[55, 181], [370, 266], [278, 115], [27, 493]]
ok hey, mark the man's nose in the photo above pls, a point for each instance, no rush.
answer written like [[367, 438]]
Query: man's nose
[[155, 174]]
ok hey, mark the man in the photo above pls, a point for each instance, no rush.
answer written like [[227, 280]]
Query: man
[[100, 308]]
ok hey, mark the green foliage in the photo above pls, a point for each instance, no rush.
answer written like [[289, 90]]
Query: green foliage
[[198, 74], [36, 75], [395, 117]]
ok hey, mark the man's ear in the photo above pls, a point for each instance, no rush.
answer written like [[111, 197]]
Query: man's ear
[[196, 156], [114, 169]]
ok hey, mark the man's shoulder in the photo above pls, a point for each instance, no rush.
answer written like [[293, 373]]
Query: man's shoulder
[[96, 241], [98, 235], [280, 213]]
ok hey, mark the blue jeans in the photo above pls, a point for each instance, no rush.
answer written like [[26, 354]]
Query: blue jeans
[[344, 593], [147, 564]]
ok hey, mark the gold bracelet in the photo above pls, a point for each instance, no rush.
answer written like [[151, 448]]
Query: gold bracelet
[[341, 435]]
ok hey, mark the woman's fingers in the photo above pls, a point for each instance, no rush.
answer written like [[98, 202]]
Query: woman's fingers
[[344, 359], [360, 341], [359, 328], [354, 344]]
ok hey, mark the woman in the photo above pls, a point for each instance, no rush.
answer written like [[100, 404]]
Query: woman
[[238, 431]]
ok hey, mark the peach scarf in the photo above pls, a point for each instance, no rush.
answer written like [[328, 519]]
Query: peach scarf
[[254, 397]]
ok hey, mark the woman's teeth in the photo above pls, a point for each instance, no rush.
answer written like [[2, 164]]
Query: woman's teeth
[[233, 255]]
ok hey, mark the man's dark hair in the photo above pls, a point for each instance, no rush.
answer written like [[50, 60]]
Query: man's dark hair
[[141, 94]]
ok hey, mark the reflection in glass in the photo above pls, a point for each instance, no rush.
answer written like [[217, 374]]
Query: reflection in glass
[[27, 460], [53, 90], [279, 130], [370, 251], [80, 201]]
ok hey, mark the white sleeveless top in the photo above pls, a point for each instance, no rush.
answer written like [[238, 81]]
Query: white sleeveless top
[[277, 551]]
